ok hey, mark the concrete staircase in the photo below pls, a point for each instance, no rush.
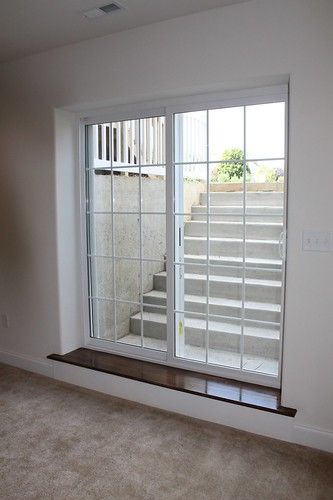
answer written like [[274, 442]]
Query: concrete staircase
[[262, 312]]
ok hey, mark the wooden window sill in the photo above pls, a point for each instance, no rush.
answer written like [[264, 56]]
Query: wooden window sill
[[209, 386]]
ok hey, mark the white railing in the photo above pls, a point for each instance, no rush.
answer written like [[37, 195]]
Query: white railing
[[120, 140]]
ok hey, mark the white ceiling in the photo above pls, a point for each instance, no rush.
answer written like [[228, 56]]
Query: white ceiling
[[30, 26]]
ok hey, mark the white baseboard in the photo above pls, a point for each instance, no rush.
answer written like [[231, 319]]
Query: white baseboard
[[313, 437], [211, 410], [29, 363]]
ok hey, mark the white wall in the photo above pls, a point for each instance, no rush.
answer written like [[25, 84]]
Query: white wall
[[238, 45]]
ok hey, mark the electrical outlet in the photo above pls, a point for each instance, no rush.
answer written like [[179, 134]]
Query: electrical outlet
[[317, 241], [4, 320]]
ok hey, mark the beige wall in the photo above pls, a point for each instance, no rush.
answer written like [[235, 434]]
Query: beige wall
[[257, 42]]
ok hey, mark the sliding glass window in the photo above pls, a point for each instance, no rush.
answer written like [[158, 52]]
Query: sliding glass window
[[229, 226], [185, 223]]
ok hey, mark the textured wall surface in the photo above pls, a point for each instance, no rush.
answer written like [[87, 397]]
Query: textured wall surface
[[127, 242], [126, 233]]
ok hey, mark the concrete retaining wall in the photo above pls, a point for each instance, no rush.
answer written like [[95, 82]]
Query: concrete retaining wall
[[127, 240], [250, 186]]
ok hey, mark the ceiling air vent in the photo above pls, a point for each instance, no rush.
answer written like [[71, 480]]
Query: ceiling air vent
[[111, 7], [102, 11]]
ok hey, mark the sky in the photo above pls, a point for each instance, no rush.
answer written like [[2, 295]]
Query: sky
[[263, 137], [264, 130]]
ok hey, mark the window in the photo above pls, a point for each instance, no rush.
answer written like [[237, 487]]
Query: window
[[186, 227], [126, 224]]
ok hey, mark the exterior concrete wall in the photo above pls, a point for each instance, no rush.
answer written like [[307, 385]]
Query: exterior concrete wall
[[192, 192], [127, 241], [250, 186]]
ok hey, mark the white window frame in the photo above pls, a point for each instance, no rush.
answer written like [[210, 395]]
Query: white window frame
[[168, 107]]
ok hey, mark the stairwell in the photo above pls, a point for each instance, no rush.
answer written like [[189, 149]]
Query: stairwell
[[263, 275]]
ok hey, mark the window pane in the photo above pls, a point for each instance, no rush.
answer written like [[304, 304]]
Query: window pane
[[100, 234], [261, 347], [126, 189], [190, 184], [265, 175], [99, 192], [226, 135], [103, 319], [152, 143], [154, 327], [125, 143], [224, 342], [265, 131], [154, 282], [128, 323], [153, 236], [191, 137], [153, 189], [127, 289], [99, 151], [191, 278], [224, 284], [190, 331], [126, 235], [102, 277]]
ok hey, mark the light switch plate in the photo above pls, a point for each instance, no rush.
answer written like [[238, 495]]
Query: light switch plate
[[317, 241]]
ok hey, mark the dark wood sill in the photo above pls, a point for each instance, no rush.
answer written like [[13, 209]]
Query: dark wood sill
[[200, 384]]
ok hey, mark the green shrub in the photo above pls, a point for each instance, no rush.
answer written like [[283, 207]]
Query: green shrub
[[264, 173], [231, 167]]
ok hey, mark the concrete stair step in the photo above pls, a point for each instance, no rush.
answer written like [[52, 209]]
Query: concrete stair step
[[249, 261], [254, 363], [260, 311], [226, 229], [256, 198], [226, 287], [269, 269], [222, 335], [233, 247], [235, 213]]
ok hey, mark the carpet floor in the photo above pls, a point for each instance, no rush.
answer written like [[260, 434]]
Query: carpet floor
[[63, 442]]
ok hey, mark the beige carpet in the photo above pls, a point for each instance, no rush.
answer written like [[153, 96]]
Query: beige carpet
[[62, 442]]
